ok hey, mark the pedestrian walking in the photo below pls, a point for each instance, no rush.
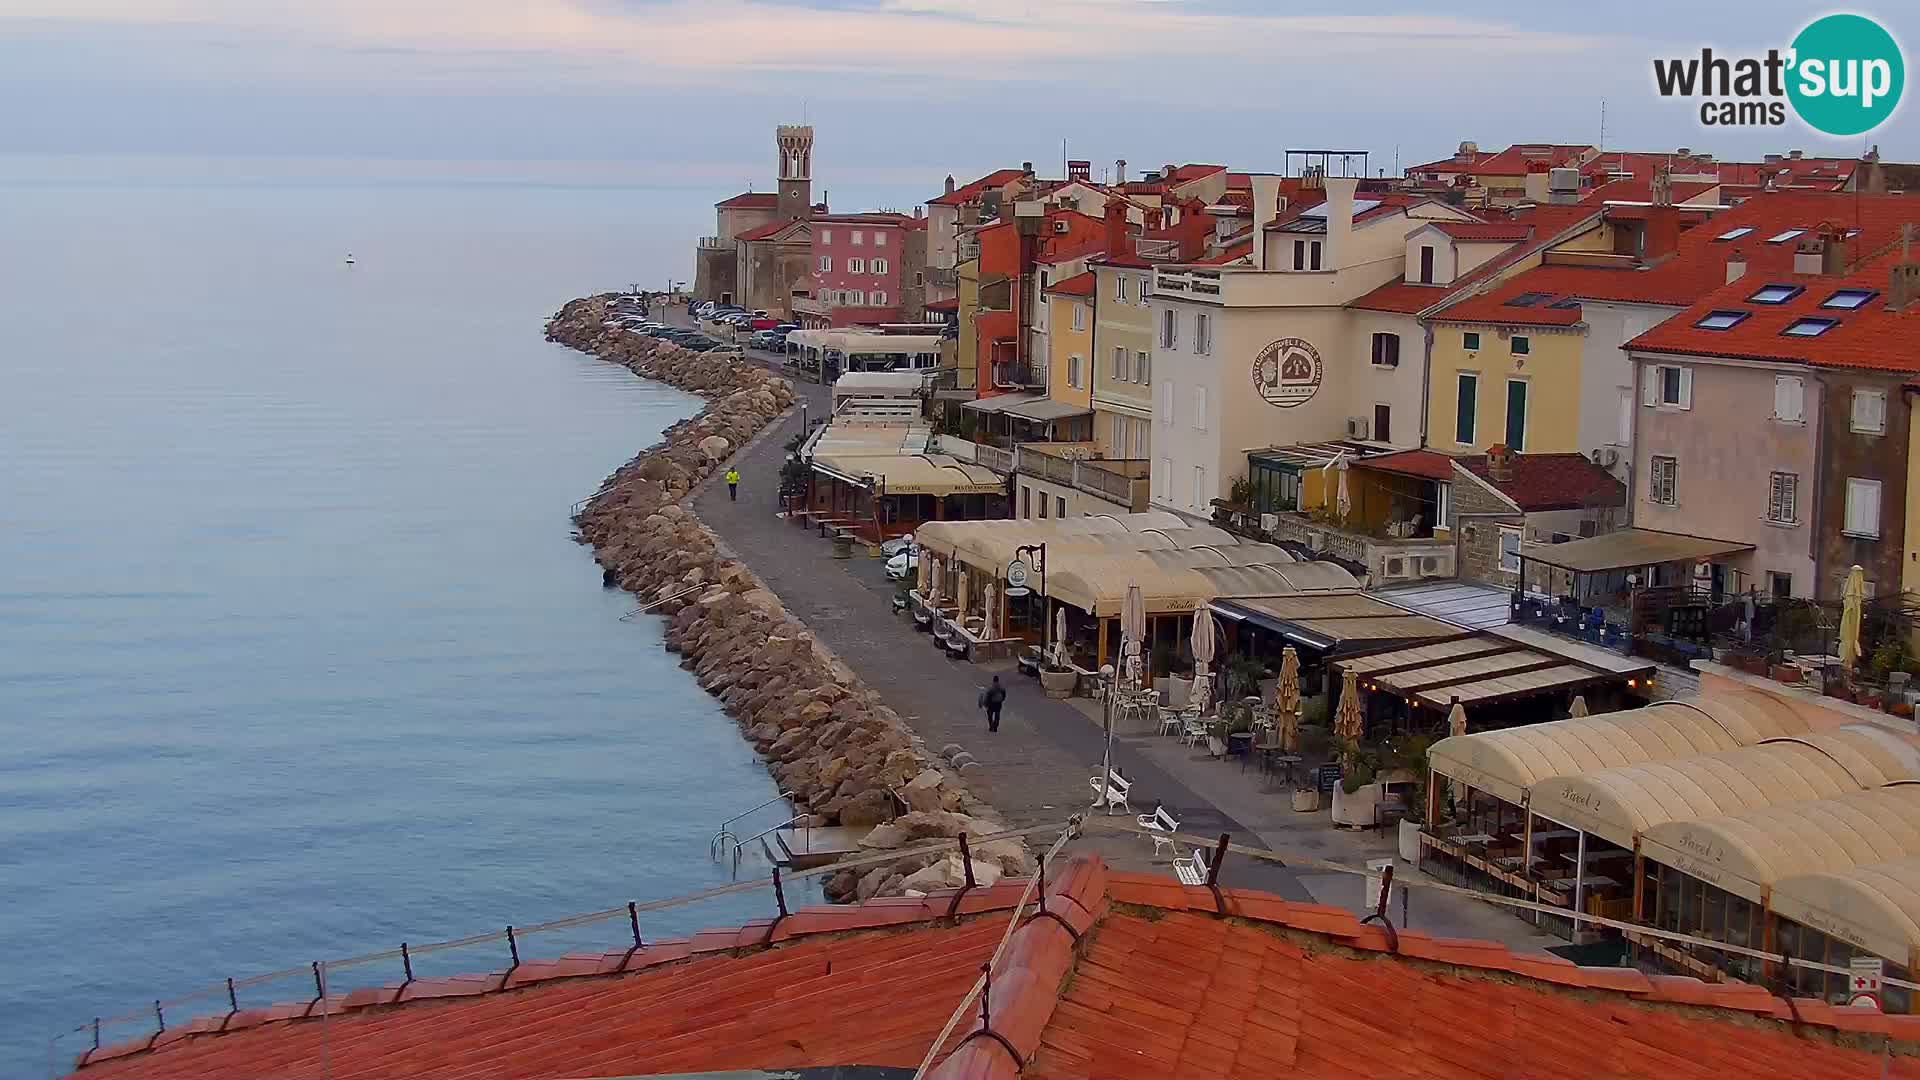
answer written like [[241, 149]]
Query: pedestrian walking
[[991, 699], [733, 483]]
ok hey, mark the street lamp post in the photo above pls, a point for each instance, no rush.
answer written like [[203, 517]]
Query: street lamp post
[[1046, 612], [1106, 757]]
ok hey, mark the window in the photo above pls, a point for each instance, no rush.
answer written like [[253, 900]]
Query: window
[[1060, 506], [1848, 299], [1382, 423], [1169, 329], [1509, 549], [826, 236], [856, 266], [877, 266], [1203, 333], [1199, 496], [879, 299], [1663, 484], [1809, 327], [1783, 498], [1079, 316], [826, 264], [1120, 287], [1313, 255], [1516, 414], [1143, 367], [857, 238], [1869, 412], [879, 239], [1386, 350], [1470, 340], [857, 297], [1199, 408], [1166, 404], [1426, 264], [1783, 237], [1043, 504], [1142, 292], [1735, 234], [1073, 372], [1669, 386], [1520, 345], [1120, 366], [1774, 294], [1863, 508], [1779, 584], [1721, 320], [1299, 254], [919, 278], [1163, 480], [1467, 398], [1026, 501], [1789, 399]]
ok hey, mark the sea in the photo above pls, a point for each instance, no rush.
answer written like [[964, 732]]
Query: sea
[[298, 658]]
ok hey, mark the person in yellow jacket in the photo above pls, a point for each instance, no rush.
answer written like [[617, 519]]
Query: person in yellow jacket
[[733, 483]]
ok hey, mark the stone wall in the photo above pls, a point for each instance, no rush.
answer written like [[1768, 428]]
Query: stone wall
[[845, 754], [1478, 513]]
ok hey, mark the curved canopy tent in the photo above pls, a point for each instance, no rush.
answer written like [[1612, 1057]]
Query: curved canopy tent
[[1875, 907], [991, 544], [1619, 804], [1098, 585], [1508, 763], [1749, 852]]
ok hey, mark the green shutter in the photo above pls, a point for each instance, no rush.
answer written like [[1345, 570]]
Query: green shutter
[[1468, 389], [1516, 415]]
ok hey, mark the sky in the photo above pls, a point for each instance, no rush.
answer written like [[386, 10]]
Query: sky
[[900, 92]]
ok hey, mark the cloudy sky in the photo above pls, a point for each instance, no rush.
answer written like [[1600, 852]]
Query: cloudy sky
[[685, 94]]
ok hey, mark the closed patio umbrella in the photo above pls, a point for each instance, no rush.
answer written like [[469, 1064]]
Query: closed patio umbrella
[[990, 625], [1286, 700], [1133, 632], [1579, 707], [1344, 501], [1060, 637], [1348, 723], [1852, 601], [1203, 646], [933, 574], [1457, 719]]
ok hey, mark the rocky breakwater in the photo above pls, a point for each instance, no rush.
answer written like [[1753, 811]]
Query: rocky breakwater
[[847, 758]]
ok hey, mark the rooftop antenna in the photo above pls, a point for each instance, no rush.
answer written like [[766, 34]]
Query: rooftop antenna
[[1063, 157], [1603, 123]]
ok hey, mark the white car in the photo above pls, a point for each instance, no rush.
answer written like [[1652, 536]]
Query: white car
[[903, 564], [898, 544]]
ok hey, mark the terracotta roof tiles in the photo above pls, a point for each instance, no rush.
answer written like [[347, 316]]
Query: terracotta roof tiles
[[959, 195], [750, 200], [1540, 482], [1081, 284]]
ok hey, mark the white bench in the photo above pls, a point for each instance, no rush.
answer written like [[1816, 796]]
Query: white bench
[[1160, 827], [1193, 869], [1118, 791]]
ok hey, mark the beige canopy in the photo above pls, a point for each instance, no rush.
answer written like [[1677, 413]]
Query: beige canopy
[[1875, 907], [990, 545], [1098, 584], [1508, 763], [1621, 803], [911, 474], [1746, 853]]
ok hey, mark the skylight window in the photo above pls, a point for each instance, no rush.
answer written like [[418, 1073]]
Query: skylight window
[[1809, 327], [1721, 320], [1528, 299], [1849, 299], [1735, 234], [1781, 238], [1564, 303], [1774, 294]]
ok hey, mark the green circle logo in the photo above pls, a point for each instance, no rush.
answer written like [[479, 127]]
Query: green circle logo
[[1847, 75]]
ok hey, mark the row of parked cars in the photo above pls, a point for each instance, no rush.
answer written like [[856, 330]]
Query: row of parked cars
[[764, 331], [635, 321]]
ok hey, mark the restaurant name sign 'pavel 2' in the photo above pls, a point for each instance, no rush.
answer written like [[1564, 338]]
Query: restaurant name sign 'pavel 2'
[[1287, 372]]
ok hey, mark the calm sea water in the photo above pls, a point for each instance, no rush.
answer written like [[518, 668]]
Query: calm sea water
[[297, 658]]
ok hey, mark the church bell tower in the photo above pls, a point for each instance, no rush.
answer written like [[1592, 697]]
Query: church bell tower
[[796, 171]]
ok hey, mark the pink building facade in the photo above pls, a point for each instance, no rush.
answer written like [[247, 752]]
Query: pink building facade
[[858, 262]]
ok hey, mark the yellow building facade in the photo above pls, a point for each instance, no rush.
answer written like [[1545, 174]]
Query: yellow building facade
[[1070, 314], [1122, 359], [1518, 386]]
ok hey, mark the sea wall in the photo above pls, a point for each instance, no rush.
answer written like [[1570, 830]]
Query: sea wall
[[846, 756]]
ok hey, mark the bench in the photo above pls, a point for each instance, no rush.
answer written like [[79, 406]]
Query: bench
[[1193, 869], [1160, 827], [1118, 792]]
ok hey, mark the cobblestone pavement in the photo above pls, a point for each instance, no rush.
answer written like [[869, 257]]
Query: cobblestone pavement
[[1035, 769]]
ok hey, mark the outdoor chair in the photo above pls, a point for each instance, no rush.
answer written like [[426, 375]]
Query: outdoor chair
[[1170, 721], [1193, 729], [1160, 827]]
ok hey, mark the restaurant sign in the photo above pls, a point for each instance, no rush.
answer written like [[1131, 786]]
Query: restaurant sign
[[1017, 574], [1287, 373]]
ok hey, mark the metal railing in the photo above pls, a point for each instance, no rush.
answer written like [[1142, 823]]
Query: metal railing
[[740, 845], [995, 458], [726, 835]]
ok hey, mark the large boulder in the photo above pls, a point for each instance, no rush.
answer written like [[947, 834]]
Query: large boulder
[[870, 807], [923, 791]]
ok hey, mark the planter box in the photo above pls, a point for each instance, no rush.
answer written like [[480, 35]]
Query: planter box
[[1786, 673], [1359, 809], [1306, 801], [1058, 684], [1410, 842]]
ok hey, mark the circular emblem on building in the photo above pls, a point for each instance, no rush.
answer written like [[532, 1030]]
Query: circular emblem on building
[[1287, 373]]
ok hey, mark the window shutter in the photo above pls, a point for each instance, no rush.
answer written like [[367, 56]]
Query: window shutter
[[1166, 404], [1200, 408], [1686, 388], [1863, 507], [1650, 386]]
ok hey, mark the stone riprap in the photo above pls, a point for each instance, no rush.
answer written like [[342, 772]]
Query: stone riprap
[[847, 757]]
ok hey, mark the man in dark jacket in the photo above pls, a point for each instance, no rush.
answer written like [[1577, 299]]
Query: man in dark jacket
[[991, 699]]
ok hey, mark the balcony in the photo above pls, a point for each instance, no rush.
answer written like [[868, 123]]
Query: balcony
[[1386, 559], [1117, 480]]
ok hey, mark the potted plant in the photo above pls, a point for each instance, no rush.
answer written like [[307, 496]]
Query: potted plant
[[1409, 752], [1057, 681], [1356, 799]]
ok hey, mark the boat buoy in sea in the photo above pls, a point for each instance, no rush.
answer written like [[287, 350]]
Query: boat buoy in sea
[[349, 258]]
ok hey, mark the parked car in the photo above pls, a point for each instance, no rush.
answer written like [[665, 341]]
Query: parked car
[[907, 562], [898, 544]]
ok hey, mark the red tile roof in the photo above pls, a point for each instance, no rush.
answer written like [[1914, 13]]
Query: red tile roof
[[1232, 254], [1825, 174], [1127, 261], [950, 304], [1541, 482], [1081, 284], [1402, 296], [959, 195], [1868, 337], [1485, 230], [767, 231], [1426, 464], [1514, 160], [1183, 173], [1640, 189], [751, 200], [1124, 976]]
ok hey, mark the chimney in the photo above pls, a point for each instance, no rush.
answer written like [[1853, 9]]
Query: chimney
[[1339, 209], [1499, 463], [1794, 155], [1662, 185], [1120, 170], [1266, 208], [1116, 221], [1685, 152], [1079, 170], [1834, 251], [949, 183], [1807, 255], [1026, 168], [1903, 278], [1660, 236], [1536, 182], [1771, 159], [1167, 171], [1465, 155], [919, 211], [1736, 265]]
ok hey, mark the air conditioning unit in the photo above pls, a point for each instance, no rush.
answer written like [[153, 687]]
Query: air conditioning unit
[[1269, 522], [1429, 565], [1062, 228], [1609, 457], [1393, 568], [1356, 427]]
